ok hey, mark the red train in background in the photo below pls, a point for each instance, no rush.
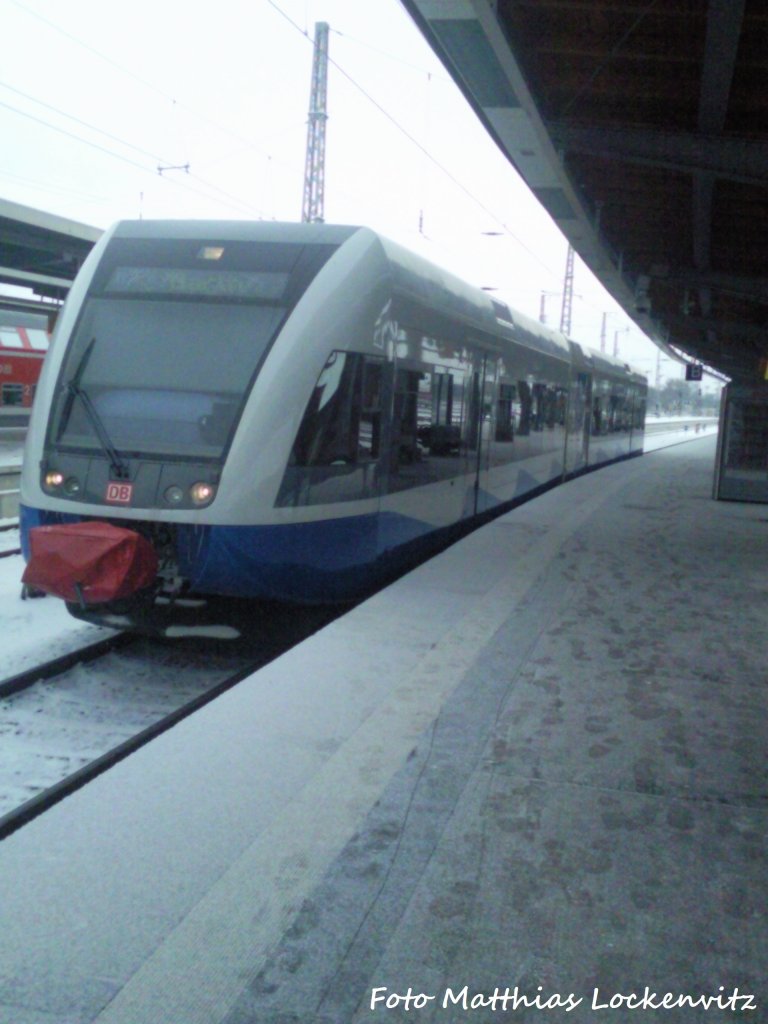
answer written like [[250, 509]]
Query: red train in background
[[24, 340]]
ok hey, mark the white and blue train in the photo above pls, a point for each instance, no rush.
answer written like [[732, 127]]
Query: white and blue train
[[297, 412]]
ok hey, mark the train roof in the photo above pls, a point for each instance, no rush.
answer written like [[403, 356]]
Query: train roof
[[442, 290], [605, 363], [413, 275], [236, 230]]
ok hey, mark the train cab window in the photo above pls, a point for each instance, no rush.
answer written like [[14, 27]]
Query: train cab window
[[335, 454]]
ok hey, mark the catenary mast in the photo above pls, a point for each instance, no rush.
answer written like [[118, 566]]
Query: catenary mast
[[313, 206], [565, 315]]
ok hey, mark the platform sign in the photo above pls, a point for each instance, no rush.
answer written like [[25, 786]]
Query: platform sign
[[693, 371]]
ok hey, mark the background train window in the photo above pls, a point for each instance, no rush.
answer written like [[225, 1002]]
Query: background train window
[[13, 394]]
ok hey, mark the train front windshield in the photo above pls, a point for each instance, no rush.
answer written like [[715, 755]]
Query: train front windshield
[[169, 340]]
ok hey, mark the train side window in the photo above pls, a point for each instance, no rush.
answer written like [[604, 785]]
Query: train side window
[[412, 413], [597, 416], [472, 422], [440, 413], [526, 407], [505, 413], [369, 430], [443, 400]]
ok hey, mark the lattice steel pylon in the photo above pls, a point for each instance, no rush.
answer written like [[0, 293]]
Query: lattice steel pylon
[[313, 206], [565, 315]]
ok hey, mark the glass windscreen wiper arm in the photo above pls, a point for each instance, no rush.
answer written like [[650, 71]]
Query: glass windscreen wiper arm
[[118, 464]]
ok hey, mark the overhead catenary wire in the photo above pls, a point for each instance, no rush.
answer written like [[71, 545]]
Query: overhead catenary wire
[[62, 190], [235, 202], [246, 142], [459, 184], [391, 56], [84, 124]]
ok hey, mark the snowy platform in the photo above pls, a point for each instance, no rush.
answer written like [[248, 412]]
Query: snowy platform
[[532, 770]]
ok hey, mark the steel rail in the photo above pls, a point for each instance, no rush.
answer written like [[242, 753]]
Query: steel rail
[[55, 667], [47, 798]]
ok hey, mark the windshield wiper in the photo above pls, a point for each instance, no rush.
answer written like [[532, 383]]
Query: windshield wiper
[[66, 411], [118, 464]]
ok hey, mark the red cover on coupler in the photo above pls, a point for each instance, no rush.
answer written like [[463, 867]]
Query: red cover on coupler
[[106, 562]]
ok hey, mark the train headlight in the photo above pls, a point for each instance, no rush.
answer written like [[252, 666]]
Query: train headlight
[[53, 480], [174, 495], [72, 486], [202, 493]]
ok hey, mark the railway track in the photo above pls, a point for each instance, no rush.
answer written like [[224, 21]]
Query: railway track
[[9, 538], [65, 722], [56, 666]]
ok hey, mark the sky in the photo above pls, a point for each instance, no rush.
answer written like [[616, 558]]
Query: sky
[[167, 109]]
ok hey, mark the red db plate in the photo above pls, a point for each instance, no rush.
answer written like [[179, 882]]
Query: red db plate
[[119, 494]]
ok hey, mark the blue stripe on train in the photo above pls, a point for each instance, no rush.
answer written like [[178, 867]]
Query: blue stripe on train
[[330, 560]]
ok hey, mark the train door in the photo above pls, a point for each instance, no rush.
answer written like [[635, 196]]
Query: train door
[[486, 381], [586, 425], [477, 434]]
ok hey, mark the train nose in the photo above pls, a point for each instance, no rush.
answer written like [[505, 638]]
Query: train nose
[[89, 563]]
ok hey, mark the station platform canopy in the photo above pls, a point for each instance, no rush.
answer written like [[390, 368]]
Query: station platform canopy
[[642, 128], [41, 252]]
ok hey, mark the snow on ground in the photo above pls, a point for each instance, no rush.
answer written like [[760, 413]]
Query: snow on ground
[[9, 539], [664, 439], [36, 630], [11, 447]]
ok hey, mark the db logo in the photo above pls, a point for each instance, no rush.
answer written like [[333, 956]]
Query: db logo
[[119, 494]]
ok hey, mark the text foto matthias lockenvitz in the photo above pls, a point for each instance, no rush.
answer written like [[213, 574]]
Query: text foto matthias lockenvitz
[[506, 999]]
